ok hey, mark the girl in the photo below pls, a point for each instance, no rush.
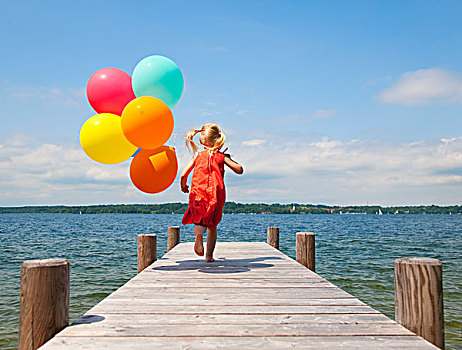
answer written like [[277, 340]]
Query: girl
[[208, 194]]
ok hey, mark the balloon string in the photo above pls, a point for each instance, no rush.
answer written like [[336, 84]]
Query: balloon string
[[200, 144]]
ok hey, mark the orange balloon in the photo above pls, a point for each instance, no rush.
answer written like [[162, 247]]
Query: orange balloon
[[147, 122], [153, 171]]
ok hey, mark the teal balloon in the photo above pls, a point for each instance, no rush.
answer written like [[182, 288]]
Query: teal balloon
[[160, 77]]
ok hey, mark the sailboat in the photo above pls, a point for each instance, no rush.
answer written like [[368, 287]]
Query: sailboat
[[380, 212]]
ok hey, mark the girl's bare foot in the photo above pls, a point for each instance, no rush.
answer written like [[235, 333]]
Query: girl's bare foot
[[199, 245], [209, 259]]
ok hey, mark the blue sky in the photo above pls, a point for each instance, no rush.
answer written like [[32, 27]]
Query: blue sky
[[340, 102]]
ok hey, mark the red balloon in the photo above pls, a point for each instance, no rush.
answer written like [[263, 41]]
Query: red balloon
[[109, 90]]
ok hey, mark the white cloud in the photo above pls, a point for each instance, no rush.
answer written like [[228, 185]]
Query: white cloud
[[50, 174], [204, 112], [256, 142], [356, 172], [68, 97], [54, 174], [325, 143], [425, 86], [318, 114], [327, 171], [18, 140], [323, 114]]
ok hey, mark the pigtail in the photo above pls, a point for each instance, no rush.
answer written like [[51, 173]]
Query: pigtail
[[190, 144]]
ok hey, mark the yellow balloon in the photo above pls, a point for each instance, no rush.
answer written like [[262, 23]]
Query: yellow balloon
[[102, 139]]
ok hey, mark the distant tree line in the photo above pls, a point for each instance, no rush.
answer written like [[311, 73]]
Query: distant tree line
[[234, 208]]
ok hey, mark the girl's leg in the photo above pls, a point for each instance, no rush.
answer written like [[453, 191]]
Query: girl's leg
[[211, 240], [199, 231]]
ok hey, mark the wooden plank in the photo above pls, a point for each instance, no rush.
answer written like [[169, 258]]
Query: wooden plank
[[170, 294], [225, 319], [173, 266], [220, 301], [202, 283], [149, 306], [205, 276], [239, 343], [255, 254], [218, 272], [233, 287], [264, 265], [236, 330], [167, 293], [252, 296], [286, 277], [215, 275], [249, 259]]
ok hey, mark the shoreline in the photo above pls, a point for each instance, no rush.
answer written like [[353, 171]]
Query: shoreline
[[235, 208]]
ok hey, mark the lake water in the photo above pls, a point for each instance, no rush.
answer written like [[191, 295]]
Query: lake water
[[355, 252]]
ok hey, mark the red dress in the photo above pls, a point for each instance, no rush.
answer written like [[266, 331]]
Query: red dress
[[208, 195]]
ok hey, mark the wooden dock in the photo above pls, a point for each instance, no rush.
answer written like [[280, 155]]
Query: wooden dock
[[252, 296]]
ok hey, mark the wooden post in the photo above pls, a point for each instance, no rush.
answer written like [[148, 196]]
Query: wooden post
[[305, 249], [173, 237], [419, 297], [272, 236], [147, 250], [44, 301]]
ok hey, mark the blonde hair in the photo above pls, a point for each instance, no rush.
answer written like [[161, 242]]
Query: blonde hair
[[212, 134]]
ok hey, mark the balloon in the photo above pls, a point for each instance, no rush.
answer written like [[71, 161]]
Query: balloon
[[109, 90], [147, 122], [102, 139], [160, 77], [153, 171]]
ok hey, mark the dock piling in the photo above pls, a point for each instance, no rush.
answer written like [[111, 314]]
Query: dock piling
[[305, 249], [147, 250], [44, 301], [419, 297], [173, 237], [272, 236]]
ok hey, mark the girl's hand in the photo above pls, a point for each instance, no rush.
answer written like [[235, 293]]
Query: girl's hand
[[184, 188], [234, 166], [185, 173]]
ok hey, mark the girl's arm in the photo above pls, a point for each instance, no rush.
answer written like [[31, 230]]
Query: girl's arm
[[236, 167], [184, 175]]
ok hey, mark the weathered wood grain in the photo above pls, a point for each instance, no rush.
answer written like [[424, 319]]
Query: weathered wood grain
[[419, 297], [239, 343], [252, 296], [224, 319], [44, 301], [249, 283], [236, 330], [219, 301], [147, 250], [233, 294], [272, 237], [173, 237], [305, 249], [150, 306]]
